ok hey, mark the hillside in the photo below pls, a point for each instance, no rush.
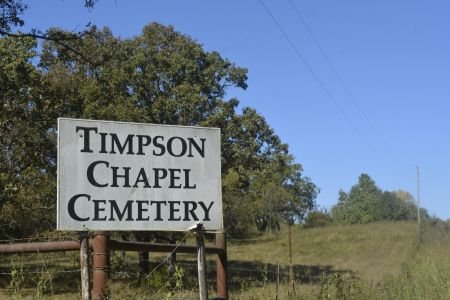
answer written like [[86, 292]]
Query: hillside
[[388, 260], [367, 250]]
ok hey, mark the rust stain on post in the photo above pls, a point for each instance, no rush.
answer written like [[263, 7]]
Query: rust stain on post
[[101, 266], [221, 266]]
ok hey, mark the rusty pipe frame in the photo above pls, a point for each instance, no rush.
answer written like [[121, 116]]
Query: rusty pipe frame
[[58, 246], [41, 247]]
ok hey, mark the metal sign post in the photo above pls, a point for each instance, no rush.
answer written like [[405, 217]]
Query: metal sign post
[[201, 261], [221, 266], [101, 265], [84, 264]]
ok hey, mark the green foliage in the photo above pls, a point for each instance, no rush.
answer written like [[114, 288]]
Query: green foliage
[[27, 151], [341, 286], [366, 202], [10, 11], [160, 76], [317, 219], [176, 282]]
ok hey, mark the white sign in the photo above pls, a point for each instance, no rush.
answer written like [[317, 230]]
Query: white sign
[[130, 176]]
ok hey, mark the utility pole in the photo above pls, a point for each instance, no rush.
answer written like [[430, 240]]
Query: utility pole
[[418, 196]]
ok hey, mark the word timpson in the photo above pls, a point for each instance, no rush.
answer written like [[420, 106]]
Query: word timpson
[[138, 144], [102, 174]]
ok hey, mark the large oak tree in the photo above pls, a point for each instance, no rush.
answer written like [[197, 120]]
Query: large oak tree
[[160, 76]]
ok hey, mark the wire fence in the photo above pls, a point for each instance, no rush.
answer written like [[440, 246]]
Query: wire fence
[[59, 272]]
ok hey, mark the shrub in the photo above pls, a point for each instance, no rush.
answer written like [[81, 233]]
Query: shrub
[[318, 219]]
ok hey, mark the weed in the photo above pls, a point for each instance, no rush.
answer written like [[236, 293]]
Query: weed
[[176, 279], [44, 284], [265, 274], [17, 280]]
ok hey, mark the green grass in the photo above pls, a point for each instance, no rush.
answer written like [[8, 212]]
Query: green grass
[[372, 261], [368, 250]]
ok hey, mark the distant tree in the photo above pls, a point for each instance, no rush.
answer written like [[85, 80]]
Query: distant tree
[[301, 198], [408, 206], [368, 203], [317, 218]]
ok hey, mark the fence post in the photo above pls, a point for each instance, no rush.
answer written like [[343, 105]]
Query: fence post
[[291, 267], [221, 266], [277, 289], [201, 261], [84, 265], [101, 265]]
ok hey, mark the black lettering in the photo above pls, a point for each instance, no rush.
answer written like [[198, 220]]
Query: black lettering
[[159, 176], [125, 176], [141, 143], [158, 145], [158, 209], [116, 143], [98, 209], [71, 207], [142, 209], [173, 178], [200, 151], [142, 177], [170, 146], [206, 210], [86, 131], [173, 210], [103, 142], [190, 211], [90, 173], [120, 214], [186, 180]]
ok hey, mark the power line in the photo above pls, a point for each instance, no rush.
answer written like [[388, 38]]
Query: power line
[[341, 81], [322, 85]]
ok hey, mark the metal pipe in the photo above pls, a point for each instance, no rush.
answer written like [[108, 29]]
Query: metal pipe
[[40, 247], [101, 266], [221, 266]]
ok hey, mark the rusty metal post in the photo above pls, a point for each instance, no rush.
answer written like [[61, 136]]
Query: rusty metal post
[[221, 266], [201, 262], [84, 264], [101, 265]]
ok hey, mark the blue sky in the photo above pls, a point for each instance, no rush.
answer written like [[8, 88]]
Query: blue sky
[[393, 56]]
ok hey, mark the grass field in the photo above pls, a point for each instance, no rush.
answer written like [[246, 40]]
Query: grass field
[[372, 261]]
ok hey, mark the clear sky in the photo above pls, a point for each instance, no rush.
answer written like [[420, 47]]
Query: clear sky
[[385, 112]]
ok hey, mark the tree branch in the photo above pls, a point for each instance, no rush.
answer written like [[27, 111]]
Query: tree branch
[[57, 40]]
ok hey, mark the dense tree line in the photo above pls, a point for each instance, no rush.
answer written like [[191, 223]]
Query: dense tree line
[[366, 202], [160, 76]]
